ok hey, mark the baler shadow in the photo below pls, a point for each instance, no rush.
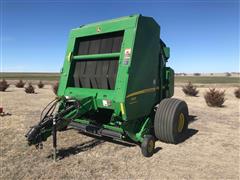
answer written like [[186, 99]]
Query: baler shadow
[[192, 118], [157, 149], [73, 150], [109, 140], [188, 134]]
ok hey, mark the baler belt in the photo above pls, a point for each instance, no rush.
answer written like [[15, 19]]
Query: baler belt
[[95, 73]]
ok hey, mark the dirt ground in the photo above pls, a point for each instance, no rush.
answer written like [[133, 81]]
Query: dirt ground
[[212, 150]]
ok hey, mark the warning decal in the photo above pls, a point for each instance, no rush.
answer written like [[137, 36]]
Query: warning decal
[[127, 53]]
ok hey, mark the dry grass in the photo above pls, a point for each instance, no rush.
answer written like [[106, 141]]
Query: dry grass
[[210, 152]]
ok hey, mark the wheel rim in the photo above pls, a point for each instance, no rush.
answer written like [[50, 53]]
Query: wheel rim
[[181, 121], [150, 146]]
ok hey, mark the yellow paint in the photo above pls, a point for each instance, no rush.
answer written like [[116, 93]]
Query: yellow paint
[[133, 102], [149, 90], [122, 108], [69, 57], [150, 146], [181, 121]]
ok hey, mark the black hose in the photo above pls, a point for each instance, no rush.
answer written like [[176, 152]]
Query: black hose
[[55, 100], [59, 115]]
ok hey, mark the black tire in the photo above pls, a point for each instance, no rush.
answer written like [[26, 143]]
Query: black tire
[[148, 145], [171, 120]]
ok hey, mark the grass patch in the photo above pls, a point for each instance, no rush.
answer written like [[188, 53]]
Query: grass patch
[[207, 79], [31, 76]]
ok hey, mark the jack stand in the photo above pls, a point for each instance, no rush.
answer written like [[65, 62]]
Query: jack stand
[[54, 133]]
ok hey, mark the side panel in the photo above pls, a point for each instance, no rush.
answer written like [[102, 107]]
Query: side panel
[[143, 84]]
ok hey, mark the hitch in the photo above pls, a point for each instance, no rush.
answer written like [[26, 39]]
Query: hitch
[[51, 122]]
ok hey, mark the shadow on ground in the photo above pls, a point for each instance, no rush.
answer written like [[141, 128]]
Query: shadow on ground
[[190, 132], [192, 118], [65, 152]]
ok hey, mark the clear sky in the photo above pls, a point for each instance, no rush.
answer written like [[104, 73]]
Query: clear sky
[[203, 35]]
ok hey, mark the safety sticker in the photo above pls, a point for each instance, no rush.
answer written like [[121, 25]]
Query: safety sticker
[[127, 53]]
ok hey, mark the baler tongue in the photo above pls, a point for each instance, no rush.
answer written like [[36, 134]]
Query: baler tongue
[[53, 121]]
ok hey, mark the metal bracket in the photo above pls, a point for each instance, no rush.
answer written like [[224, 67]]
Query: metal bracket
[[145, 129]]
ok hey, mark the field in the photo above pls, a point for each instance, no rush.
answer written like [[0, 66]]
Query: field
[[31, 76], [211, 150], [49, 77], [207, 79]]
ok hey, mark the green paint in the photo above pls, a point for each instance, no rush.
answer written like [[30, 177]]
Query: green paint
[[99, 56], [145, 129]]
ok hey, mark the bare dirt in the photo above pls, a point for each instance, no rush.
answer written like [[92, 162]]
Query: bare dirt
[[212, 150]]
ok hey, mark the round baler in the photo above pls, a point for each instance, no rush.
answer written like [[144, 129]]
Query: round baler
[[115, 84]]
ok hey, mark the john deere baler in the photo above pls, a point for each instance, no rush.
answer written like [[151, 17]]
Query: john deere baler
[[114, 83]]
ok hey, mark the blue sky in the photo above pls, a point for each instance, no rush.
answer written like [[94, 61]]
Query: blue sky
[[203, 35]]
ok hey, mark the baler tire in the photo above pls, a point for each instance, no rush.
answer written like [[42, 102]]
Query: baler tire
[[148, 145], [171, 120]]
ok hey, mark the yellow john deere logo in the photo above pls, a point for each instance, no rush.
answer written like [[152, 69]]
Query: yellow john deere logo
[[98, 29]]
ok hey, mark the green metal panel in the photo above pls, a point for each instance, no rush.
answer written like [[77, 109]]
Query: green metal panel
[[169, 82], [143, 84], [128, 25], [166, 51], [94, 56]]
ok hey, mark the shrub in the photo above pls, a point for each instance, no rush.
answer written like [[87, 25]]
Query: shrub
[[3, 85], [237, 92], [215, 97], [20, 84], [228, 74], [29, 89], [197, 74], [55, 88], [180, 74], [190, 90], [40, 85]]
